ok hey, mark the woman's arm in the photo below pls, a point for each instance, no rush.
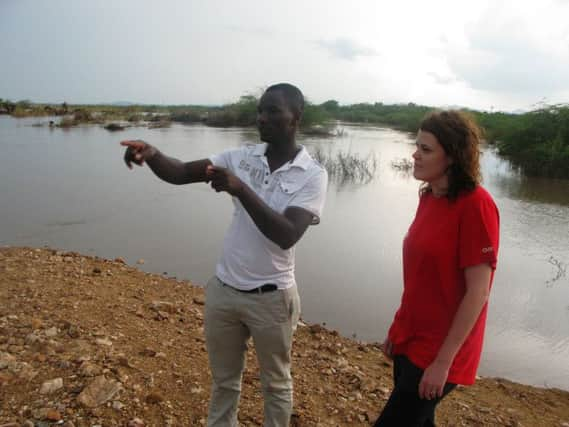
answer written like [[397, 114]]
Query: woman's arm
[[477, 290]]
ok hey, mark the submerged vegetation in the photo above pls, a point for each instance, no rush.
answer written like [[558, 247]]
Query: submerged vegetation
[[536, 141], [402, 165], [346, 167]]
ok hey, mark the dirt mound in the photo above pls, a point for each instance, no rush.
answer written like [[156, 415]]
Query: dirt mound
[[91, 342]]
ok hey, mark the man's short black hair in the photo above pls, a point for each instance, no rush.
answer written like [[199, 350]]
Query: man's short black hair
[[292, 95]]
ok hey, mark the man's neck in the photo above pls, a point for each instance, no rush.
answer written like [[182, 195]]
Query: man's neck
[[285, 150], [278, 154]]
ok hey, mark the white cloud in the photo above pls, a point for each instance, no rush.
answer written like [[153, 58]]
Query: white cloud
[[508, 50], [441, 79], [252, 31], [346, 48], [445, 52]]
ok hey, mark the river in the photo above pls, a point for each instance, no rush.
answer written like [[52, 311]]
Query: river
[[69, 189]]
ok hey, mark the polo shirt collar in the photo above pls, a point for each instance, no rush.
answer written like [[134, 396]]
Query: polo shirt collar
[[302, 159], [259, 149]]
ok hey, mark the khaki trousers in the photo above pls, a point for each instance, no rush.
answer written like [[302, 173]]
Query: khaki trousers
[[231, 318]]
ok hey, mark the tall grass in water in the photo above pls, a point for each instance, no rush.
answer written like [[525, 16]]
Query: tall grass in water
[[346, 167], [403, 166]]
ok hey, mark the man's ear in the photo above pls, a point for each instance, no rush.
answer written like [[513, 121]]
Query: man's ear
[[297, 120]]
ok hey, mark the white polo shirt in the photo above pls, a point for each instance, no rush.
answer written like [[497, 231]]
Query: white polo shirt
[[250, 259]]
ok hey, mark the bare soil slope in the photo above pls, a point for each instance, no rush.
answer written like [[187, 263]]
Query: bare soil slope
[[91, 342]]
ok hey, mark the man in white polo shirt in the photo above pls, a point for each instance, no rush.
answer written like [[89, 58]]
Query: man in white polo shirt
[[278, 191]]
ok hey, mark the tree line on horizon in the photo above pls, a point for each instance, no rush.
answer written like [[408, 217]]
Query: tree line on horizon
[[537, 141]]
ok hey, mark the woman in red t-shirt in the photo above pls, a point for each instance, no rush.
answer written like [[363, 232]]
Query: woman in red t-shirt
[[449, 258]]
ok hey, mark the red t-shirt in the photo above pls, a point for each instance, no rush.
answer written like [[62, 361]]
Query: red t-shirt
[[445, 237]]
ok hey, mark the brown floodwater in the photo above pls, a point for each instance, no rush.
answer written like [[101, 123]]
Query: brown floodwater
[[69, 189]]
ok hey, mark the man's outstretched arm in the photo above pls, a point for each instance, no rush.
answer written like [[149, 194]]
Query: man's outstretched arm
[[166, 168]]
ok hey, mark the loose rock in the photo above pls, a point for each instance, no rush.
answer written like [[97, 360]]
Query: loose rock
[[98, 392], [51, 386]]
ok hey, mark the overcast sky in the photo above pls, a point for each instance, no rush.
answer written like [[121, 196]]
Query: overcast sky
[[501, 55]]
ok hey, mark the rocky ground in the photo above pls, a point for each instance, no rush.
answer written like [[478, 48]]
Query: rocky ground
[[91, 342]]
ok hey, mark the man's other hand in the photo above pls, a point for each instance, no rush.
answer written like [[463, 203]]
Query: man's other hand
[[222, 179]]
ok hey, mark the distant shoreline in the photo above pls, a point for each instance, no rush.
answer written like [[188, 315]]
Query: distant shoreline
[[535, 141]]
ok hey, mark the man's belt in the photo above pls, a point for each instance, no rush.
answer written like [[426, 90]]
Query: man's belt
[[267, 287]]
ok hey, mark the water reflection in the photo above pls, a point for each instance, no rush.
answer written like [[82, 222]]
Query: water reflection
[[508, 180]]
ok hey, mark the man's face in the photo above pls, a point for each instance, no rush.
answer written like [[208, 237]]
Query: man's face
[[275, 119]]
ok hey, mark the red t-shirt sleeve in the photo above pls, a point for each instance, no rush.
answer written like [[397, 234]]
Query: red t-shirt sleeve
[[479, 231]]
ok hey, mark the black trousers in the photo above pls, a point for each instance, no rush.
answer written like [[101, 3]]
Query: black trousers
[[405, 408]]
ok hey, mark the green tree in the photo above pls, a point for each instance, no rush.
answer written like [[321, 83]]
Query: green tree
[[331, 105]]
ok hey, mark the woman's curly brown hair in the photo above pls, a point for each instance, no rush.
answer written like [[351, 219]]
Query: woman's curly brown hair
[[460, 138]]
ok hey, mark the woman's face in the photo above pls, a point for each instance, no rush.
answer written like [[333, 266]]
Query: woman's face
[[430, 160]]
